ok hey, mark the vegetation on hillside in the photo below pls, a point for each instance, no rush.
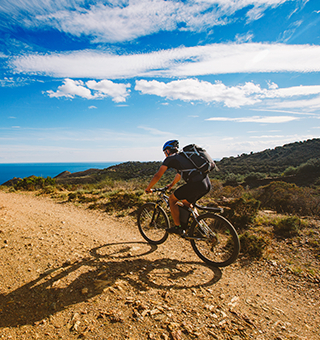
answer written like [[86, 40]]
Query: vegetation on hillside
[[120, 190], [275, 160]]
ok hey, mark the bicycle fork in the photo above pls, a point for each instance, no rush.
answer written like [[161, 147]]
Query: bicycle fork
[[204, 229], [155, 214]]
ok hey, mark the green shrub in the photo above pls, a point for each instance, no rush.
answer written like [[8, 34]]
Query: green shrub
[[219, 192], [81, 197], [72, 196], [253, 176], [34, 183], [288, 226], [123, 200], [252, 245], [290, 171], [233, 179], [285, 197], [242, 211]]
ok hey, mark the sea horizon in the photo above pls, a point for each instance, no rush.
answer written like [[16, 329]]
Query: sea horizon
[[48, 169]]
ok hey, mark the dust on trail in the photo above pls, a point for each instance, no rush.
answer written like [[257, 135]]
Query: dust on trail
[[70, 273]]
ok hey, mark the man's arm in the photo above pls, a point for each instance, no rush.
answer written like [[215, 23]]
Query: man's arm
[[175, 180], [156, 177]]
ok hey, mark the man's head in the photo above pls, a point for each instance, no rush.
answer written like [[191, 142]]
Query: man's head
[[170, 147]]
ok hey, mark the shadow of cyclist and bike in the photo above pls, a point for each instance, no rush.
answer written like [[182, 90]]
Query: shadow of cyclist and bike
[[73, 283]]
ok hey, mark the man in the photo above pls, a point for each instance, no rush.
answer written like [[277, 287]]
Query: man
[[197, 184]]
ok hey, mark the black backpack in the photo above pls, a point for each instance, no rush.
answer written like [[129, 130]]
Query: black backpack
[[199, 157]]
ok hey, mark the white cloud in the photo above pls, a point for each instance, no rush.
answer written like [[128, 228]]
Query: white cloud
[[118, 92], [126, 20], [305, 104], [293, 91], [178, 62], [256, 119], [102, 89], [233, 96], [15, 82], [70, 89], [193, 89]]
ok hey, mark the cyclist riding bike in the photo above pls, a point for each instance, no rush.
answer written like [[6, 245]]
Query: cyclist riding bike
[[197, 184]]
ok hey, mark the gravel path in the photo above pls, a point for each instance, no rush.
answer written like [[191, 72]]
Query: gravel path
[[71, 273]]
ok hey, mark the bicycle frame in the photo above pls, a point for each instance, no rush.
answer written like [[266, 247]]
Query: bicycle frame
[[204, 228], [212, 236]]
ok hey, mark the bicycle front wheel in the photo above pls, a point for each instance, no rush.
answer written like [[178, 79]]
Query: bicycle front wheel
[[152, 223], [215, 241]]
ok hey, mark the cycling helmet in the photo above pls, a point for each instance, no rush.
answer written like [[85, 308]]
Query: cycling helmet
[[171, 144]]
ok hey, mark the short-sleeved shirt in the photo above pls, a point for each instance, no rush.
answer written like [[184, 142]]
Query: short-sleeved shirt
[[197, 184], [181, 163]]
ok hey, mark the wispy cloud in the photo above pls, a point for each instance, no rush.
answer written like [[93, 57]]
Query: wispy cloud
[[115, 21], [256, 119], [15, 81], [154, 131], [305, 104], [178, 62]]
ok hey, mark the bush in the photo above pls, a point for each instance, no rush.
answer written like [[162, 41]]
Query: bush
[[34, 183], [242, 211], [290, 171], [288, 226], [253, 176], [123, 200], [81, 197], [220, 192], [311, 166], [252, 245], [288, 198], [233, 179]]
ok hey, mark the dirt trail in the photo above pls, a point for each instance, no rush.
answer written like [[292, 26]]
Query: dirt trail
[[70, 273]]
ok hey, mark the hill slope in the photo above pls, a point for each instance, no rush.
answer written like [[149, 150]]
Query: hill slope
[[273, 160]]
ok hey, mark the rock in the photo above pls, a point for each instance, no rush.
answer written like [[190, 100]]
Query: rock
[[176, 335], [84, 291]]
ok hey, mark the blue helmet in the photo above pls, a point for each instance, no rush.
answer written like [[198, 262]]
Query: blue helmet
[[171, 144]]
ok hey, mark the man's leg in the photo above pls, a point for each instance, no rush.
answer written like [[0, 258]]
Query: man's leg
[[174, 209]]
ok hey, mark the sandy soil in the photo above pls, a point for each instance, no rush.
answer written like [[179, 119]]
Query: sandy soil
[[71, 273]]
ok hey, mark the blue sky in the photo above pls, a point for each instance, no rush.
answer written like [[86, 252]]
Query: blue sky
[[90, 81]]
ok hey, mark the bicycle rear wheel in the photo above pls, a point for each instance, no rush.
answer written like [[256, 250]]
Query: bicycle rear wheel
[[216, 242], [152, 223]]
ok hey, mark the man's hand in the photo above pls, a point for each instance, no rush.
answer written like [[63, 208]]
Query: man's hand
[[148, 191]]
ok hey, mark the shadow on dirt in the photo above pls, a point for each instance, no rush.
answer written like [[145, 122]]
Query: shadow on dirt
[[73, 283]]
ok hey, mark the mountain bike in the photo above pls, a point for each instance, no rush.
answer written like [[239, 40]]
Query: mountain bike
[[212, 237]]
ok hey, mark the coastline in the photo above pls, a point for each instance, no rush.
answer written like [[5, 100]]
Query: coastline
[[9, 171]]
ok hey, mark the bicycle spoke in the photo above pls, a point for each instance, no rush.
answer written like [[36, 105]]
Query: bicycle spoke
[[152, 223], [215, 241]]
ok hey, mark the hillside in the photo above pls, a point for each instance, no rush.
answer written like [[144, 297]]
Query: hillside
[[252, 169], [269, 163], [273, 160]]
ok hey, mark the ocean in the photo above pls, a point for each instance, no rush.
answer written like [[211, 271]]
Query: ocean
[[9, 171]]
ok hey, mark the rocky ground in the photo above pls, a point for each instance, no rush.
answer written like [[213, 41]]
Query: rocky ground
[[71, 273]]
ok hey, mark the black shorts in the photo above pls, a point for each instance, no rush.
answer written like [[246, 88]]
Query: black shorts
[[193, 191]]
